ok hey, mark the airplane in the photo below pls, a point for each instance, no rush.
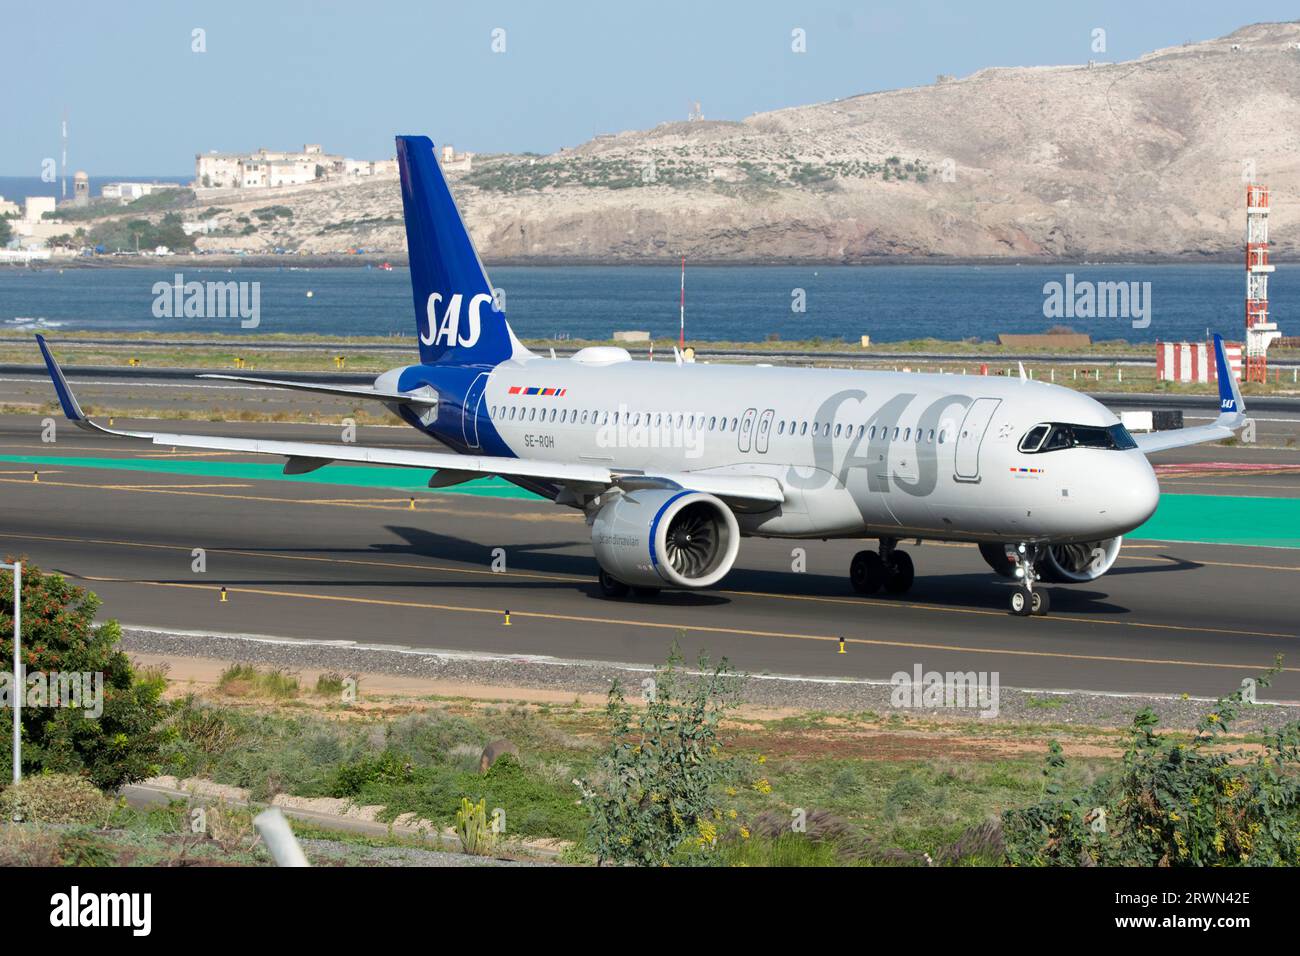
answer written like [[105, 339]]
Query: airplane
[[673, 463]]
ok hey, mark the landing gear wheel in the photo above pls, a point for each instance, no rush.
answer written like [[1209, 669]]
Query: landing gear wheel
[[1039, 603], [646, 592], [1022, 602], [610, 586], [867, 572], [899, 573]]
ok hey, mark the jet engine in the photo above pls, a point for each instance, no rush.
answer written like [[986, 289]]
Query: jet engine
[[1076, 563], [653, 538], [1060, 563]]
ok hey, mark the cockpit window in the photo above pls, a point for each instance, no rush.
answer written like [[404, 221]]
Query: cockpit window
[[1057, 435], [1034, 438]]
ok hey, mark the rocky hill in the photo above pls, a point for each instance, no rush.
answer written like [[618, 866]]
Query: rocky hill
[[1134, 159]]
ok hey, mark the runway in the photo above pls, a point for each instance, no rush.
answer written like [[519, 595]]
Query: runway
[[351, 561]]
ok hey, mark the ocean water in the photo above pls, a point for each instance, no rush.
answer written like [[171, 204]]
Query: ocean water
[[889, 303]]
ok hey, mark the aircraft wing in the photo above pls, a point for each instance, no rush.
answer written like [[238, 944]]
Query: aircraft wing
[[449, 467], [1232, 414], [346, 391]]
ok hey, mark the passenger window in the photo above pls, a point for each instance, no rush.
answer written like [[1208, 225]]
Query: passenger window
[[895, 433], [584, 416], [780, 427], [907, 433]]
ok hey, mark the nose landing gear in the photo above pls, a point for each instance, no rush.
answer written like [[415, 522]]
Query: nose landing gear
[[889, 568], [1027, 600]]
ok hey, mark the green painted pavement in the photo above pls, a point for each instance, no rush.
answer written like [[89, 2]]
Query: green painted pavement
[[359, 476], [1224, 519], [1209, 519]]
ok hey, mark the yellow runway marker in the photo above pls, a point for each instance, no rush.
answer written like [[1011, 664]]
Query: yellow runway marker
[[694, 628]]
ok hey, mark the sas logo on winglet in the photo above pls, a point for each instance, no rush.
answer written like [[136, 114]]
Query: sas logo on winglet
[[448, 326], [1228, 404]]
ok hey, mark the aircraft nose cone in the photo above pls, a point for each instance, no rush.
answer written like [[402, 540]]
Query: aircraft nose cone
[[1138, 493]]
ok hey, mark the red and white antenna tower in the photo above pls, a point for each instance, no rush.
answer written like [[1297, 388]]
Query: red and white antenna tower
[[1259, 330]]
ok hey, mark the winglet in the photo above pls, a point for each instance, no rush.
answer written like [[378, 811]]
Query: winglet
[[69, 401], [1232, 408]]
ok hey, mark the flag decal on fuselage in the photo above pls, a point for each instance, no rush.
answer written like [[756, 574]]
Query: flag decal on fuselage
[[536, 390]]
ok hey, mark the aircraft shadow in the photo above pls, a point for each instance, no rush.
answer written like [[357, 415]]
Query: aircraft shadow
[[979, 590]]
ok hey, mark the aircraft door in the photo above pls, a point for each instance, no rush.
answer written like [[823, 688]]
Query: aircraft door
[[469, 413], [747, 428], [970, 435], [764, 431]]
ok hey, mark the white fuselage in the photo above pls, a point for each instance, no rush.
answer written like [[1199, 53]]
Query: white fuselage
[[861, 453]]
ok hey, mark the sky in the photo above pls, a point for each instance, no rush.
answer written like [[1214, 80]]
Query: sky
[[141, 100]]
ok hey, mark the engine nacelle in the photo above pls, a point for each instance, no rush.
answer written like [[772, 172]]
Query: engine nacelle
[[1077, 563], [655, 538], [1060, 563]]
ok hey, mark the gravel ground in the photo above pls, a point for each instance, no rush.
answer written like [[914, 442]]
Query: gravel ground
[[834, 695]]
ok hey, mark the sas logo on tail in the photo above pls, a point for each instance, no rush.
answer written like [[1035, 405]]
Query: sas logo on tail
[[448, 326]]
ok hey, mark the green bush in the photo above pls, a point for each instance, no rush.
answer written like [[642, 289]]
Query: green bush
[[388, 767], [54, 798], [1174, 803], [124, 742], [655, 787]]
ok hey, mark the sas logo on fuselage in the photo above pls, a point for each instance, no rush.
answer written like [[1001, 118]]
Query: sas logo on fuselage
[[448, 327]]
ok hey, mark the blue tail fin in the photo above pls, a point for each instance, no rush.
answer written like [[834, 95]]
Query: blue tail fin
[[455, 314], [1231, 404]]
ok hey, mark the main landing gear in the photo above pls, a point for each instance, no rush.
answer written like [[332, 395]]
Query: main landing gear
[[889, 568], [1026, 599]]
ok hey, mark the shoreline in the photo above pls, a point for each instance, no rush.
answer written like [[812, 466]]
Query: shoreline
[[399, 260]]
